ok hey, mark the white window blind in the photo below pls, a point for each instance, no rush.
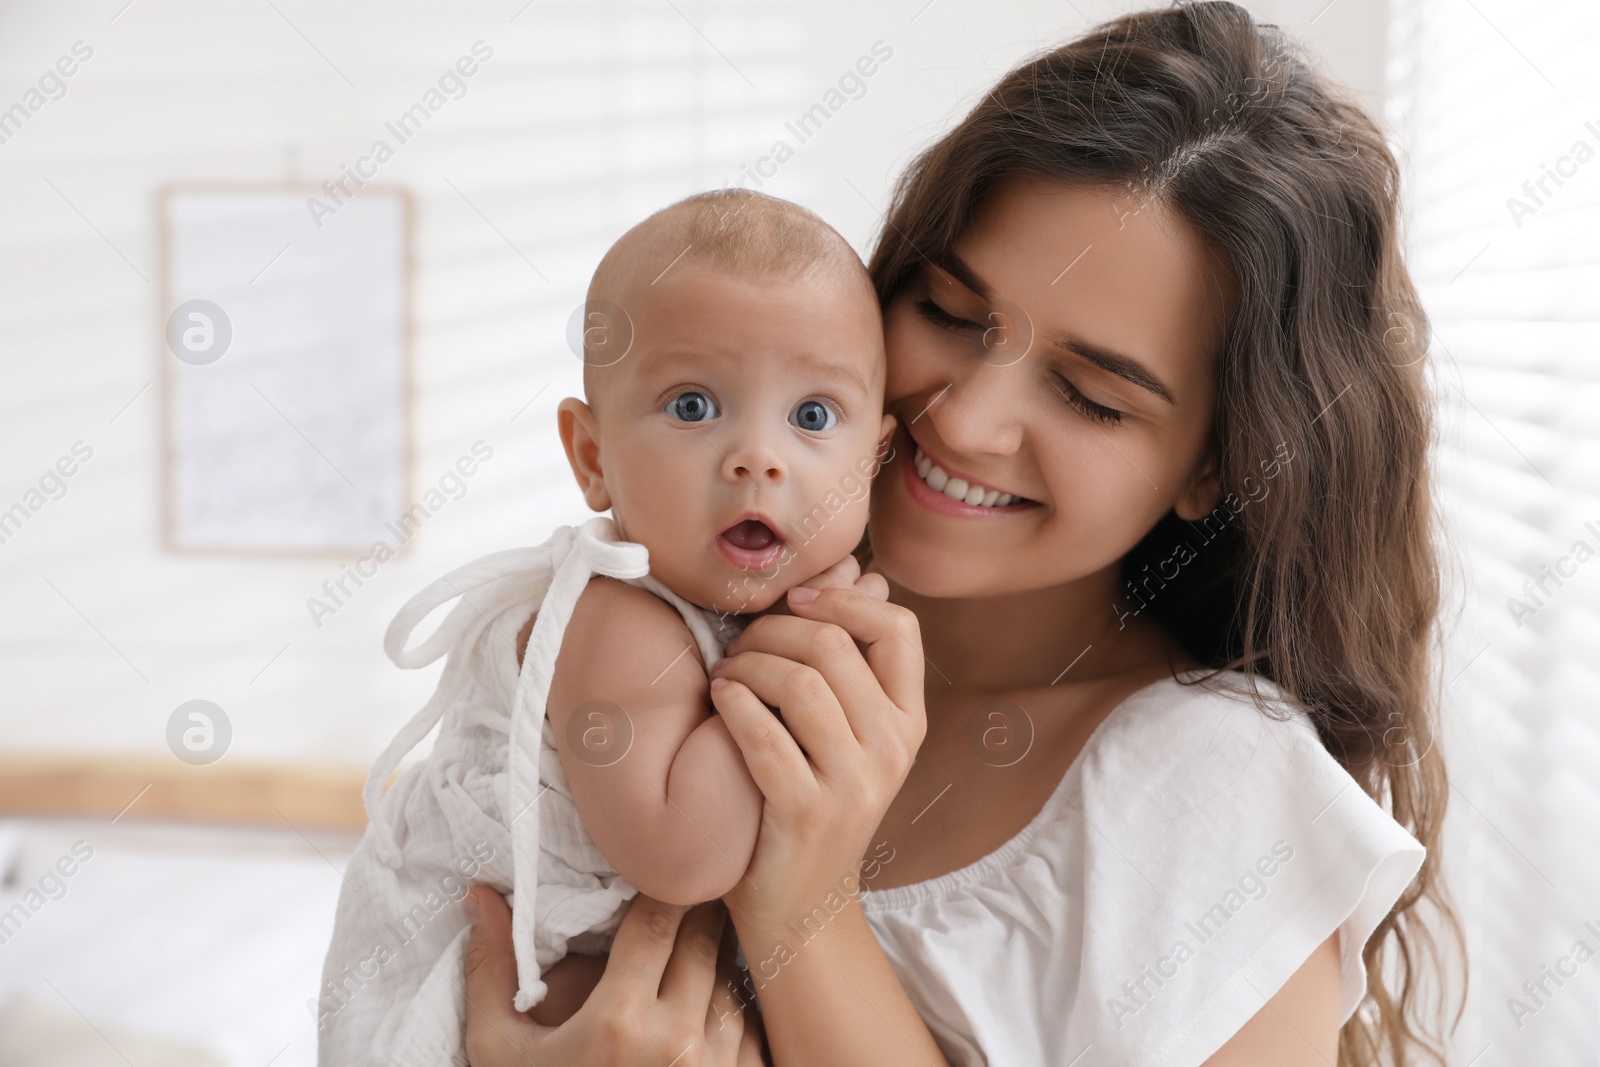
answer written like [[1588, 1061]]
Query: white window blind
[[578, 119], [1496, 109]]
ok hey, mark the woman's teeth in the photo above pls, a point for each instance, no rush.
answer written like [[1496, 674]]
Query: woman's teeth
[[957, 489]]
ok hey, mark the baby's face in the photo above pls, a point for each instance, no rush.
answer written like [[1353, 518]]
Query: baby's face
[[738, 436]]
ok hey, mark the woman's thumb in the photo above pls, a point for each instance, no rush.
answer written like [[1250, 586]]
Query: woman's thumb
[[491, 961]]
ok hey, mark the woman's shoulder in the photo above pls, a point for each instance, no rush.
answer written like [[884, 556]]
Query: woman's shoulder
[[1204, 764], [1223, 843], [1202, 721], [1182, 699], [1197, 852]]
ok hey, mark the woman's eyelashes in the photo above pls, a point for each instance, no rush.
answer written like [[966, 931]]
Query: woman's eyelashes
[[1084, 406], [930, 310]]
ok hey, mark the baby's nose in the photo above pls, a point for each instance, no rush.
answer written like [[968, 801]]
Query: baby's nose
[[759, 465]]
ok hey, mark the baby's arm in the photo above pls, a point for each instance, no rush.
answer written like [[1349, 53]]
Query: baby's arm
[[678, 814]]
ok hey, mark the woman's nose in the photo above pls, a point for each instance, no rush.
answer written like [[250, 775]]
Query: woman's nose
[[981, 408]]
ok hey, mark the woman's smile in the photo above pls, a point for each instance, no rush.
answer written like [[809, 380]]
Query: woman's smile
[[940, 487]]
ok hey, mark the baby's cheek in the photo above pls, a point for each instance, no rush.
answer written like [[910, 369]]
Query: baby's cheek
[[847, 521]]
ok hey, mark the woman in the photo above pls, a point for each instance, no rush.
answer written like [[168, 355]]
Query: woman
[[1175, 776]]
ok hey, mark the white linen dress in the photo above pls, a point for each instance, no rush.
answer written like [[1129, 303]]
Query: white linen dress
[[488, 805], [1187, 864]]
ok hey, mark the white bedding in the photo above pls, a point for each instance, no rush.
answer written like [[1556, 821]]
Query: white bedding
[[208, 937]]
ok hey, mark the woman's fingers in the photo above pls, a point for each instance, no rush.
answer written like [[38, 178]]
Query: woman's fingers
[[804, 694], [691, 974], [820, 645], [829, 650], [890, 633], [770, 752], [643, 945], [492, 982], [663, 975], [726, 1017], [750, 1052]]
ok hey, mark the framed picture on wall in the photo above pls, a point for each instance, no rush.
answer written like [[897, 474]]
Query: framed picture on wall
[[285, 354]]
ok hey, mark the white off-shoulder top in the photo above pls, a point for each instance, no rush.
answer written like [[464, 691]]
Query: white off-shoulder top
[[1190, 860]]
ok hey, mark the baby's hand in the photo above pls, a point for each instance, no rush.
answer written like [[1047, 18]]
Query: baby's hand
[[846, 574]]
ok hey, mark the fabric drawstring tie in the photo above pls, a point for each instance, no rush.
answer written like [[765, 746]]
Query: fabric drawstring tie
[[486, 588], [613, 559], [506, 586]]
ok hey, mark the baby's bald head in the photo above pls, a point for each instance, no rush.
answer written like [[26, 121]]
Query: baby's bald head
[[737, 232], [734, 370]]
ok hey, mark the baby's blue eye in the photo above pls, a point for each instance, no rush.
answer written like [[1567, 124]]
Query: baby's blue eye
[[692, 407], [813, 415]]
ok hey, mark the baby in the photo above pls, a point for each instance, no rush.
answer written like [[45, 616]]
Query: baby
[[734, 376]]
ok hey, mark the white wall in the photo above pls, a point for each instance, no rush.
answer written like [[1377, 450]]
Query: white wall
[[948, 52], [588, 116]]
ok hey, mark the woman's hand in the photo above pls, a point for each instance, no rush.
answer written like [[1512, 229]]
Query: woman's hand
[[845, 671], [854, 718], [664, 998]]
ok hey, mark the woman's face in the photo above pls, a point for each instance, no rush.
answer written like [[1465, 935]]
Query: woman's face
[[1064, 354]]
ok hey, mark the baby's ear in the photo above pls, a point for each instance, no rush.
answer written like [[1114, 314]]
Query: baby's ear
[[580, 436]]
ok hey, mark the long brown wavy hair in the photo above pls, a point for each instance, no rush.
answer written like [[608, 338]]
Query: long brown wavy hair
[[1329, 584]]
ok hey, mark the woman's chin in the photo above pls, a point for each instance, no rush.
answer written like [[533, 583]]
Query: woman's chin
[[926, 571]]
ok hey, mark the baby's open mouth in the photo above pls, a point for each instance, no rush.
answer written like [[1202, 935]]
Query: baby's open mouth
[[750, 533], [750, 543]]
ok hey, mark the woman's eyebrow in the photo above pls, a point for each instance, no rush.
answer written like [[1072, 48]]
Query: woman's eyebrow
[[957, 268], [1123, 367]]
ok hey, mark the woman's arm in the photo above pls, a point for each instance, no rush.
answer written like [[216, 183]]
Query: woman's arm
[[835, 999], [1299, 1025], [854, 722]]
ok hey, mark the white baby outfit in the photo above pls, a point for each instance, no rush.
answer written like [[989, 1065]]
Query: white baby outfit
[[489, 805]]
